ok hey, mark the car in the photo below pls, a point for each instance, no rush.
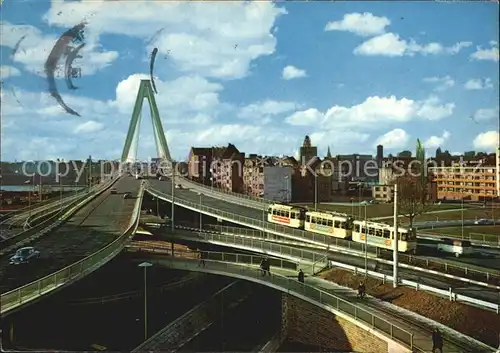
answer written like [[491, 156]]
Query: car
[[482, 221], [126, 195], [24, 255], [114, 191], [178, 186]]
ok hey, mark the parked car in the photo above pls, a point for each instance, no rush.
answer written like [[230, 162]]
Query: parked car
[[482, 221], [24, 255], [127, 195], [114, 191]]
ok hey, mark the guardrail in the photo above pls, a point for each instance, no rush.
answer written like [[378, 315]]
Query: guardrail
[[35, 206], [442, 268], [308, 237], [317, 261], [225, 192], [241, 266], [453, 296], [34, 290], [46, 226], [298, 254], [312, 238]]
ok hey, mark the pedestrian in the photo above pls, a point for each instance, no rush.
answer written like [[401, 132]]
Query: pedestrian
[[263, 266], [301, 276], [437, 341], [268, 266], [202, 259], [361, 290]]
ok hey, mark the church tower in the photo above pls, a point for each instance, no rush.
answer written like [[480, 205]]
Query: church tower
[[307, 151]]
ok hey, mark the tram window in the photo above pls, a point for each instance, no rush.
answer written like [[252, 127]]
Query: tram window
[[343, 225], [337, 224], [270, 210], [324, 222], [371, 231], [357, 228], [292, 215], [313, 219], [329, 223], [403, 237], [308, 218], [363, 230], [387, 234], [378, 232]]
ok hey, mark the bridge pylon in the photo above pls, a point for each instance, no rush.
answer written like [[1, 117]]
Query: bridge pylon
[[145, 92]]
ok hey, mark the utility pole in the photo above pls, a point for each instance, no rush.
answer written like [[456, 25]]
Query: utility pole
[[366, 245], [173, 208], [395, 238], [315, 191]]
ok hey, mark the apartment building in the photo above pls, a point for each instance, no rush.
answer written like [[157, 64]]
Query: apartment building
[[227, 168], [467, 181], [383, 193]]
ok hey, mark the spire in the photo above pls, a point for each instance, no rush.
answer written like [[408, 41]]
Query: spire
[[307, 142], [328, 153]]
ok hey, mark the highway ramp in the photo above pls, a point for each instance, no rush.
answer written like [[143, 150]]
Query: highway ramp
[[91, 228]]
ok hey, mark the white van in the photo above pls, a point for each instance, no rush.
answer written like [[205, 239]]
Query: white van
[[455, 246]]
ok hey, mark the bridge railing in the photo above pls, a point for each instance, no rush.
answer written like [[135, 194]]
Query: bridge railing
[[316, 261], [308, 237], [442, 267], [226, 192], [326, 241], [242, 266], [29, 292]]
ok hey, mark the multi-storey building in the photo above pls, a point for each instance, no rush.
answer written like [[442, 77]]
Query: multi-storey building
[[467, 181], [227, 168], [199, 161]]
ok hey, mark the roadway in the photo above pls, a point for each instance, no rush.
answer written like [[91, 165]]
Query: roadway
[[92, 227]]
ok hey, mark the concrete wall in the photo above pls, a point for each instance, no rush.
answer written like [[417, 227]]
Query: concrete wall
[[308, 324]]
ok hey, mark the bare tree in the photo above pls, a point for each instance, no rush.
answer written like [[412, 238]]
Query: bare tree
[[413, 196]]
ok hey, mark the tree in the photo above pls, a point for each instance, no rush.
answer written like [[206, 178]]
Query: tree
[[413, 198]]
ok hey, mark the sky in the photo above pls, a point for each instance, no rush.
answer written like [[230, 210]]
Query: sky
[[259, 75]]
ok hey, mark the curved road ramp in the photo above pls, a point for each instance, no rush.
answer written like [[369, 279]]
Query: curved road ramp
[[73, 257], [381, 329]]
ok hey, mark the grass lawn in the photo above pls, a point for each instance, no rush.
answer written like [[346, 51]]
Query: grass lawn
[[386, 210], [468, 214], [457, 231]]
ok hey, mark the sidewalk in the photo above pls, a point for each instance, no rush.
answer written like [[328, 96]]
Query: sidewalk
[[419, 325]]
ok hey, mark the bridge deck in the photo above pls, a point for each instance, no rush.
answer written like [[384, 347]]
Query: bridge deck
[[421, 334], [91, 228]]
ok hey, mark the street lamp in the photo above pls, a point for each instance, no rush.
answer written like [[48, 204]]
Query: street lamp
[[315, 191], [60, 189], [352, 206], [462, 211], [366, 245], [201, 214], [145, 265]]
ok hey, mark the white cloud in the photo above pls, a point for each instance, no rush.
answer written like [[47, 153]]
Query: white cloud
[[370, 113], [290, 72], [36, 46], [478, 84], [390, 44], [490, 54], [397, 138], [486, 114], [212, 40], [486, 141], [7, 71], [443, 83], [262, 112], [89, 127], [437, 141], [363, 24]]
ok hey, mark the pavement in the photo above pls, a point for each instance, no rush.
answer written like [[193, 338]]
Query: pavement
[[91, 228]]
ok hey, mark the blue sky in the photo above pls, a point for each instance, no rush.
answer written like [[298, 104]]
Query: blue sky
[[258, 75]]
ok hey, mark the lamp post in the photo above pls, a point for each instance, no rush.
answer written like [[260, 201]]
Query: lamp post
[[173, 209], [145, 265], [315, 191], [462, 212], [60, 189], [395, 239], [352, 206], [201, 214], [366, 245]]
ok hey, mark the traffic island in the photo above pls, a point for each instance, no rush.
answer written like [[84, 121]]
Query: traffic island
[[463, 318]]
